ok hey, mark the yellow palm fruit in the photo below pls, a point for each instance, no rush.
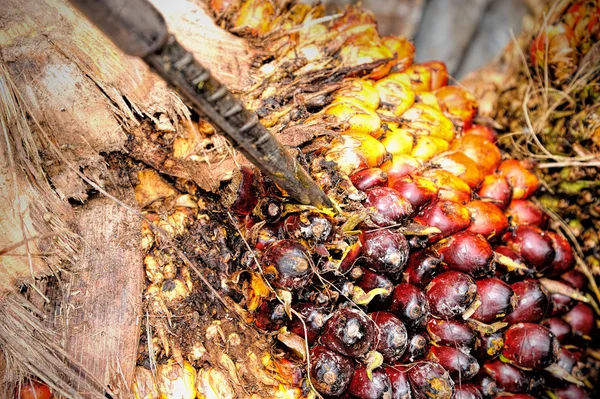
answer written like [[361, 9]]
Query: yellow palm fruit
[[144, 385], [256, 16], [428, 98], [369, 148], [176, 381], [426, 147], [403, 50], [398, 140], [360, 89], [213, 384], [429, 121], [292, 18], [395, 93], [354, 114], [362, 51]]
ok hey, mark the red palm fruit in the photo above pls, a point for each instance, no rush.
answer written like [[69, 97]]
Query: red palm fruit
[[330, 372], [530, 346], [449, 217], [488, 219], [496, 300], [367, 178], [351, 257], [400, 166], [376, 387], [481, 150], [416, 189], [349, 332], [388, 206], [531, 302], [417, 347], [569, 361], [428, 76], [450, 294], [457, 362], [560, 328], [430, 380], [384, 251], [532, 244], [554, 46], [485, 384], [450, 187], [582, 321], [523, 182], [484, 131], [392, 338], [370, 280], [314, 320], [34, 390], [524, 212], [563, 261], [575, 279], [461, 166], [503, 273], [570, 391], [467, 391], [495, 187], [421, 267], [560, 304], [267, 235], [410, 305], [490, 345], [458, 104], [286, 264], [508, 377], [451, 333], [466, 252], [309, 226], [399, 379], [403, 50], [246, 198], [270, 315]]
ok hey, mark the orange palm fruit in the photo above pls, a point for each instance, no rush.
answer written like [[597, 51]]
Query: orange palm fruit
[[479, 130], [403, 50], [400, 166], [449, 186], [481, 150], [361, 90], [461, 166], [395, 93], [554, 46], [584, 18], [418, 190], [256, 16], [220, 6], [398, 140], [429, 121], [352, 114], [428, 76], [523, 182], [448, 216], [34, 390], [458, 104], [427, 147], [487, 219], [524, 212], [495, 188]]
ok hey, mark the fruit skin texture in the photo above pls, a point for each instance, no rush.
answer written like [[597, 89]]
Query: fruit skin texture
[[455, 361], [417, 190], [392, 337], [495, 187], [582, 320], [495, 296], [368, 178], [560, 328], [466, 252], [531, 303], [467, 391], [429, 380], [361, 387], [330, 372], [488, 220], [349, 332], [384, 251], [410, 305], [450, 217], [286, 264], [389, 206], [451, 333], [450, 294], [530, 346], [421, 267], [523, 182], [418, 345], [523, 212], [508, 377], [481, 150], [399, 379], [34, 390], [532, 244], [314, 319], [563, 261]]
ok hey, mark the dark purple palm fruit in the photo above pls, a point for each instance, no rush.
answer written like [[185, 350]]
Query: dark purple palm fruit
[[451, 332], [392, 338], [564, 260], [575, 279], [560, 304], [421, 267], [466, 252], [418, 345], [376, 387], [490, 345], [516, 396], [530, 346], [448, 216], [269, 209], [524, 212], [502, 271], [309, 226], [410, 305], [368, 178], [467, 391], [246, 197], [384, 251], [387, 205], [429, 380], [314, 320], [450, 294], [287, 264], [399, 379], [560, 328], [461, 365], [496, 300], [569, 361], [270, 315], [570, 391], [582, 321], [532, 244], [370, 280], [330, 372], [485, 384], [531, 304], [508, 378], [349, 332]]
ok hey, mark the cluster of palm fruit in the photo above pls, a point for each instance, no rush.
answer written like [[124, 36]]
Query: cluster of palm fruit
[[434, 277]]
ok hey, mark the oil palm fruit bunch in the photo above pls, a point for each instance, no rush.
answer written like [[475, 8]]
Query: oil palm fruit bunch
[[434, 275], [550, 108]]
